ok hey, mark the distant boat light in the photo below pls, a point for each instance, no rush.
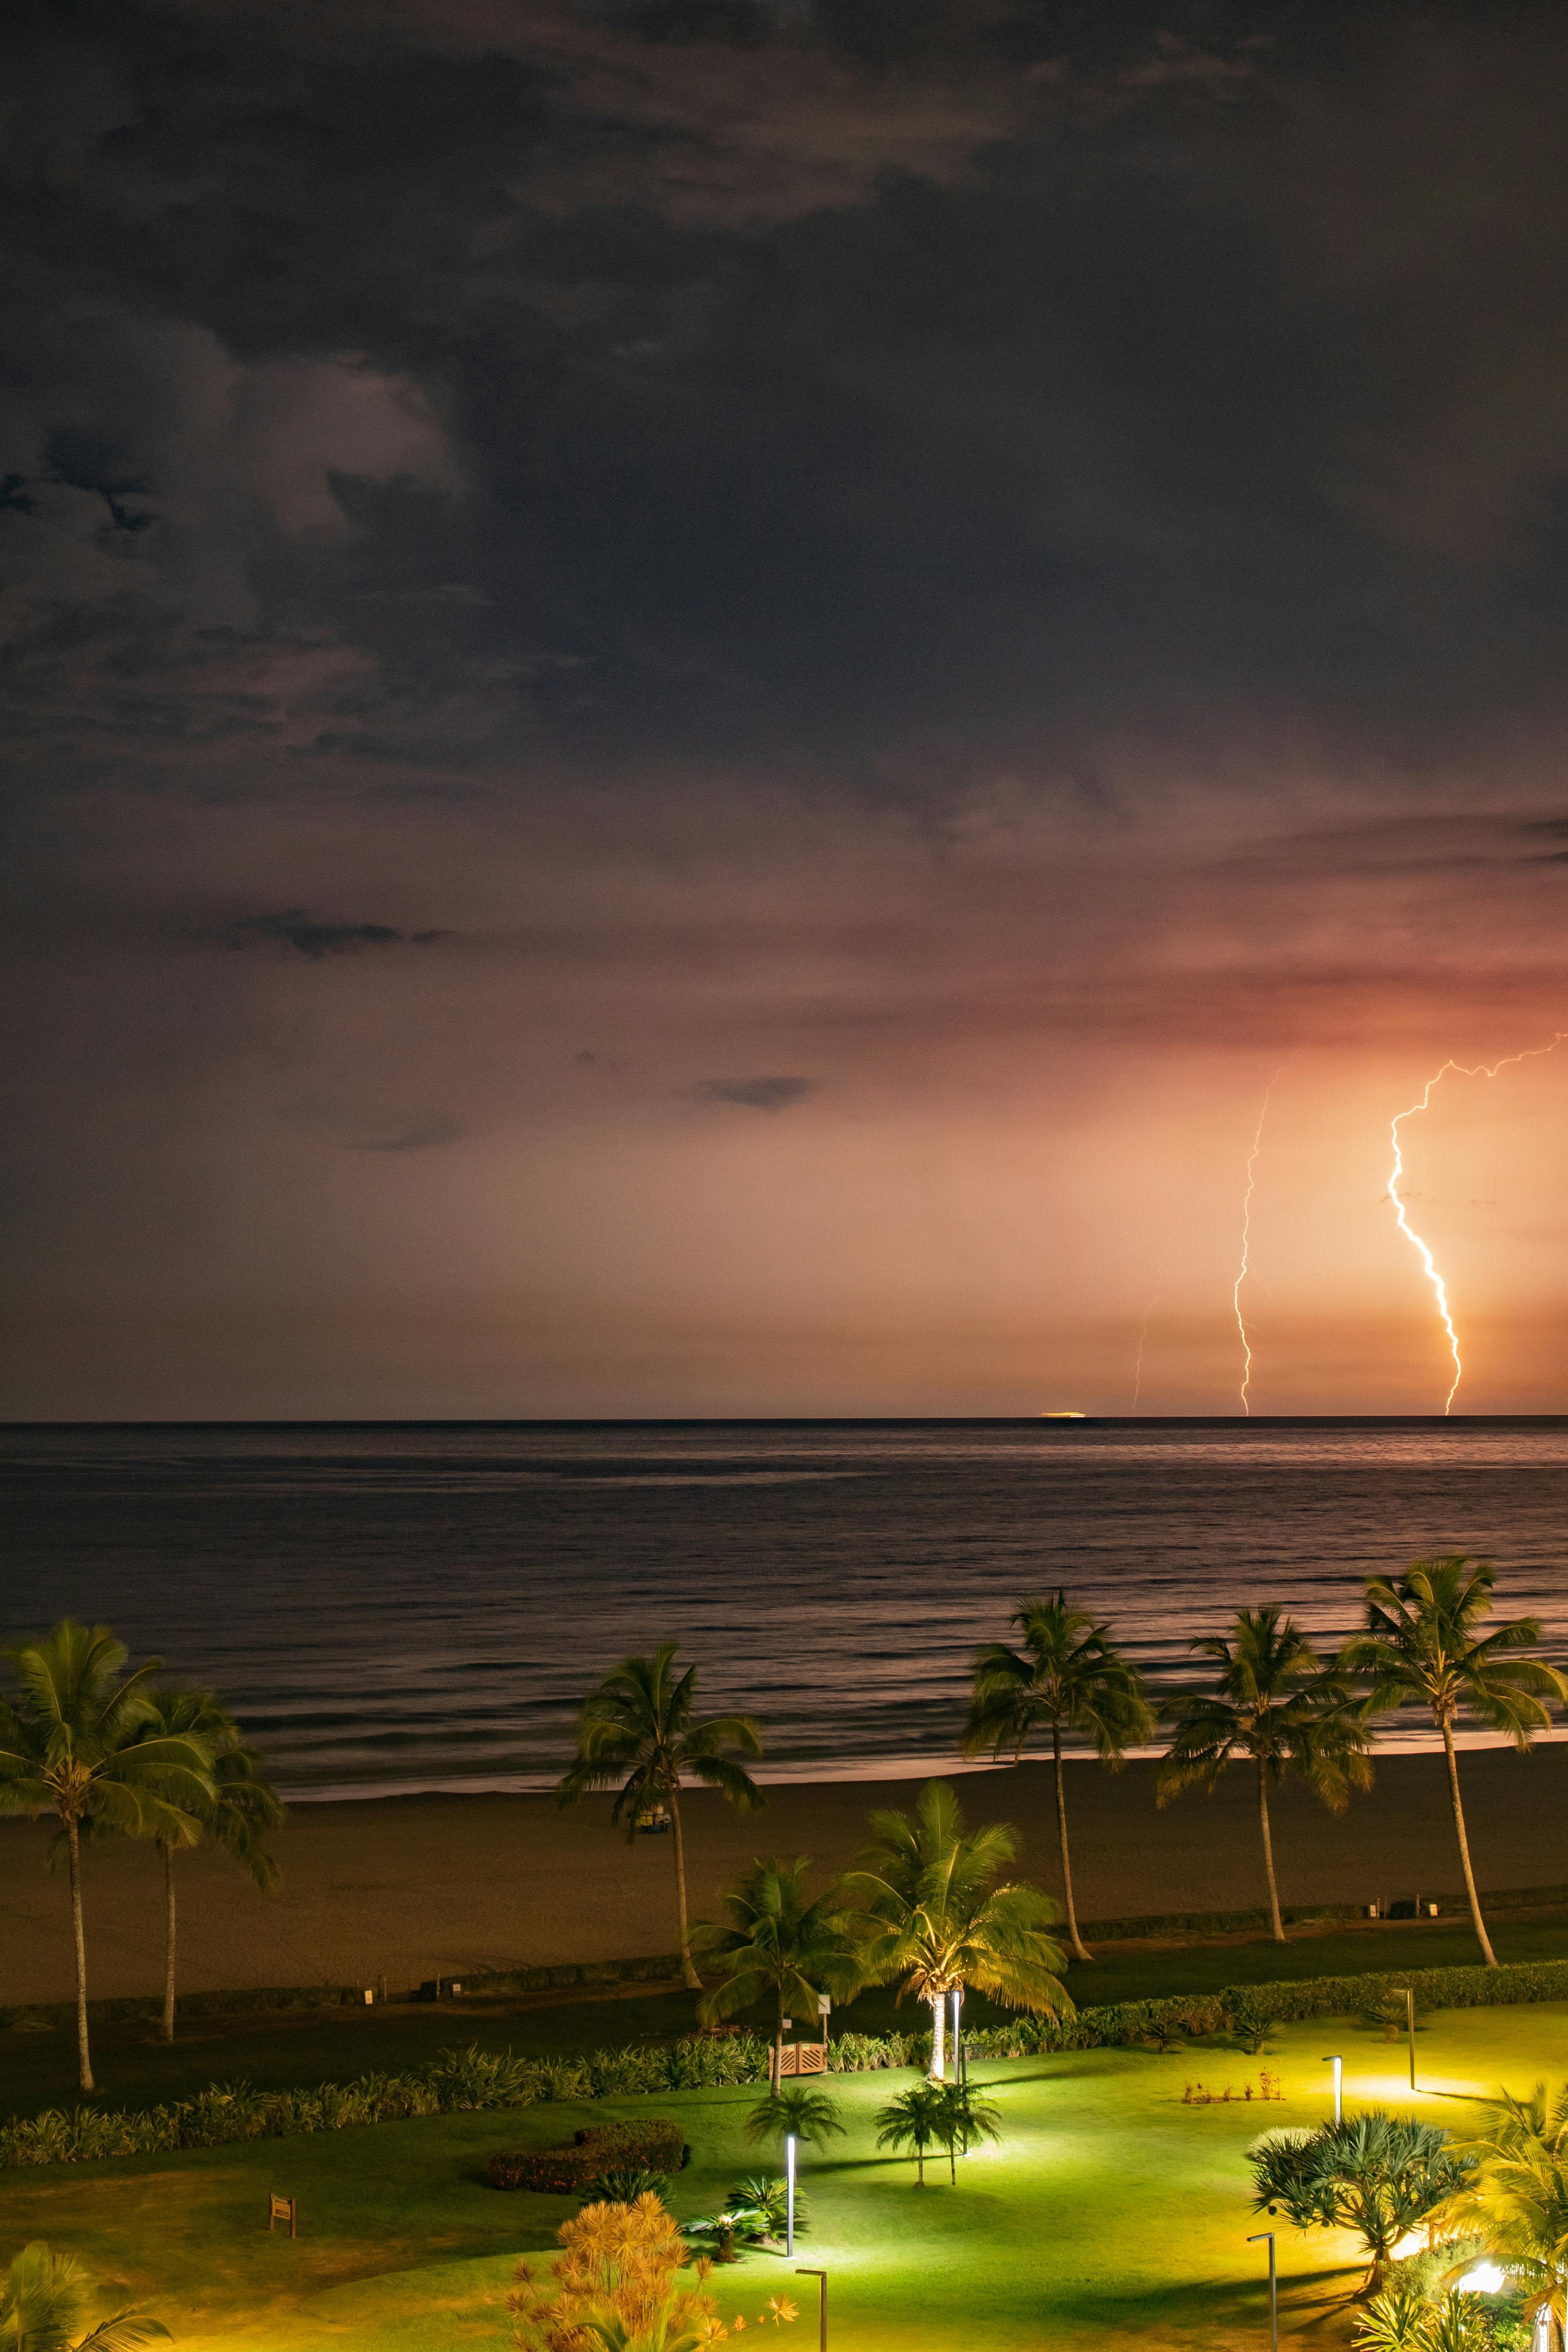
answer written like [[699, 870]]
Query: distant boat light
[[1064, 1417]]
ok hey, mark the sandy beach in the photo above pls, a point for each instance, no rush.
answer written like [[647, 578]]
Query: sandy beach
[[405, 1886]]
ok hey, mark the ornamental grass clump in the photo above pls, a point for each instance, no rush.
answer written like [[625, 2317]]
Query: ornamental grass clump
[[616, 2283]]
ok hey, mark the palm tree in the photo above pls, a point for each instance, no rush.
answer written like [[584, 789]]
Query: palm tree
[[237, 1817], [1272, 1701], [1423, 1647], [937, 1918], [782, 1947], [912, 2120], [1377, 2173], [637, 1727], [795, 2114], [1072, 1679], [74, 1747], [964, 2120], [1517, 2198], [42, 2299]]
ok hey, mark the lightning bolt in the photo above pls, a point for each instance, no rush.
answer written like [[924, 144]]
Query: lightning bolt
[[1242, 1270], [1143, 1334], [1439, 1289]]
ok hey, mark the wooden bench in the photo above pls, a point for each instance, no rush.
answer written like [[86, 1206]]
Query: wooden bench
[[803, 2058]]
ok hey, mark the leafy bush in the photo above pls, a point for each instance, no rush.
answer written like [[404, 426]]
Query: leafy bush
[[656, 2144]]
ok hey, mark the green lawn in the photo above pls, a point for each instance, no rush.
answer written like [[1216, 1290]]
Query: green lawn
[[279, 2049], [1111, 2211]]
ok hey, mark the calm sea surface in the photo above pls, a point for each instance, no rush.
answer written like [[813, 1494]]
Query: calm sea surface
[[414, 1607]]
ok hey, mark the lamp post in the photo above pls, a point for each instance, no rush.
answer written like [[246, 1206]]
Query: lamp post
[[1410, 2026], [801, 2271], [960, 2072], [1273, 2287], [1339, 2066], [789, 2194]]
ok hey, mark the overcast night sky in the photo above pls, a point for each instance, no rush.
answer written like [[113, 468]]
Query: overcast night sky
[[696, 695]]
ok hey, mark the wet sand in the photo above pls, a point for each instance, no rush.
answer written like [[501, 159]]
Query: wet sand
[[405, 1886]]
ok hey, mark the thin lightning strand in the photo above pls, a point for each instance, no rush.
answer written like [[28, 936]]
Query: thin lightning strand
[[1247, 1240], [1143, 1334], [1439, 1289]]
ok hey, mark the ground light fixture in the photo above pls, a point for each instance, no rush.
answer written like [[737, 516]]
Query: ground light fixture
[[1273, 2286], [789, 2194], [1339, 2066], [802, 2270]]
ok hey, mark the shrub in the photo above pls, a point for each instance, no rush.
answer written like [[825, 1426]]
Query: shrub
[[657, 2145]]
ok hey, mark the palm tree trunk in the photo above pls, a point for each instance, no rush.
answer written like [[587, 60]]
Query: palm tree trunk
[[168, 1940], [1269, 1852], [938, 2051], [1481, 1936], [1074, 1939], [84, 2056], [693, 1981]]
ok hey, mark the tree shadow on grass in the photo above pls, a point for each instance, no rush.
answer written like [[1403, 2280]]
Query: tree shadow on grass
[[1213, 2311]]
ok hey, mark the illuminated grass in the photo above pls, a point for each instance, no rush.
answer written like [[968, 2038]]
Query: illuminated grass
[[1110, 2211]]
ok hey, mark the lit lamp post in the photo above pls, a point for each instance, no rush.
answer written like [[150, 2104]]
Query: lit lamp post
[[1410, 2021], [821, 2278], [789, 2194], [960, 2072], [1273, 2287], [1339, 2066]]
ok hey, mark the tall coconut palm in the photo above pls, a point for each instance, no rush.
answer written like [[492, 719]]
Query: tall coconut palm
[[1069, 1677], [638, 1728], [1424, 1648], [243, 1807], [1516, 2199], [43, 2299], [1274, 1703], [784, 1948], [73, 1747], [936, 1917]]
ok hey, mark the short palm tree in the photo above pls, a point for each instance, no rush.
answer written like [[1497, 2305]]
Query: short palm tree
[[1516, 2200], [1424, 1648], [1272, 1702], [1377, 2173], [914, 2121], [795, 2114], [936, 1918], [74, 1747], [783, 1947], [637, 1729], [1067, 1676], [237, 1817], [43, 2297], [964, 2120]]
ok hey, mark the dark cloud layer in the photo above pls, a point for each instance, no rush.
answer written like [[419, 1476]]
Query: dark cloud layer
[[1010, 554]]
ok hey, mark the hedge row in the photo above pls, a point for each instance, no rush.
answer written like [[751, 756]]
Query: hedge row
[[659, 2144], [472, 2079]]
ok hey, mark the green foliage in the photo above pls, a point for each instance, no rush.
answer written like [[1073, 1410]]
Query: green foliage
[[781, 1944], [656, 2146], [1376, 2174], [940, 1919], [637, 1729], [915, 2121], [795, 2113], [1073, 1679], [43, 2297], [1517, 2198]]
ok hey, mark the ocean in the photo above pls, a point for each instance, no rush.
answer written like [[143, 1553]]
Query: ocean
[[397, 1608]]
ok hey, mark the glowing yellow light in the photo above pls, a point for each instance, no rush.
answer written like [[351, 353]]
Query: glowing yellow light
[[1439, 1289], [1247, 1239]]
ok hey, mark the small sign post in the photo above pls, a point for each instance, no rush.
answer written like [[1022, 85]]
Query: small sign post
[[283, 2209]]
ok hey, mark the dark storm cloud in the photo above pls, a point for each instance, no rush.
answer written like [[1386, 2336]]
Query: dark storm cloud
[[881, 393], [296, 929], [759, 1093]]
